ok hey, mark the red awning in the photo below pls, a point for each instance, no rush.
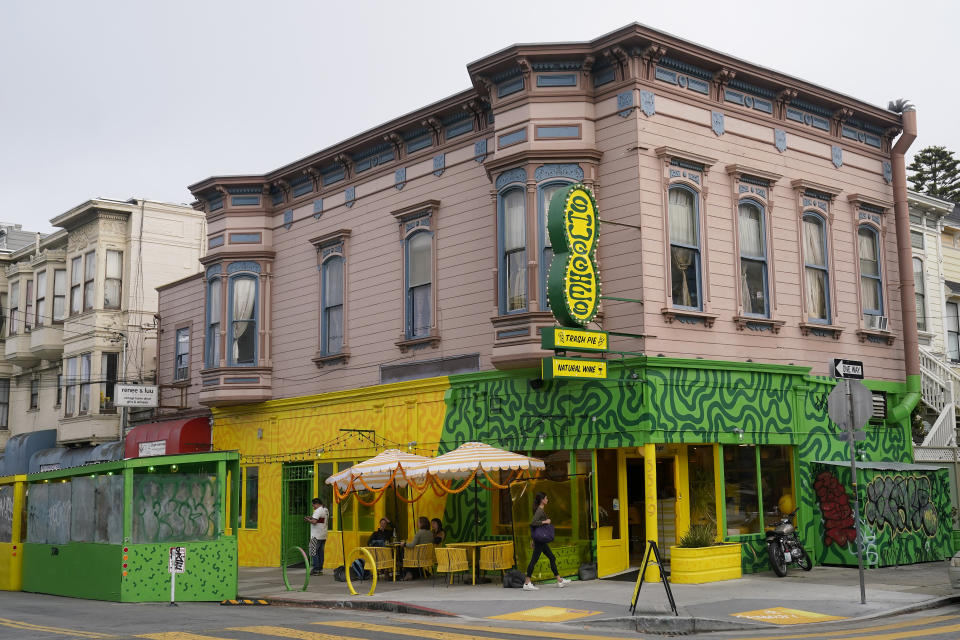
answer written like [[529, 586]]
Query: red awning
[[168, 438]]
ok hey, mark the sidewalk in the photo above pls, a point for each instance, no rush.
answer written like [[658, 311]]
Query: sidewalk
[[824, 591]]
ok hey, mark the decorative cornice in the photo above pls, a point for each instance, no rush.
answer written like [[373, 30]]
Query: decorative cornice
[[802, 184], [737, 170], [666, 153]]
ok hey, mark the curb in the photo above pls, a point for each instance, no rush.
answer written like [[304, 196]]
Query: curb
[[389, 606]]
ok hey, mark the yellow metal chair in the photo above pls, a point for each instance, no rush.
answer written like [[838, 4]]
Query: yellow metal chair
[[384, 558], [451, 560], [497, 557], [422, 557]]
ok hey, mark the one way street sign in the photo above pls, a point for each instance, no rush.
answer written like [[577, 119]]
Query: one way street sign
[[848, 369]]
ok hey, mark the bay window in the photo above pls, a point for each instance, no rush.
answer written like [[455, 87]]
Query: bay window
[[513, 253], [242, 338], [41, 317], [214, 308], [112, 284], [89, 276], [547, 192], [14, 307], [76, 280], [59, 294]]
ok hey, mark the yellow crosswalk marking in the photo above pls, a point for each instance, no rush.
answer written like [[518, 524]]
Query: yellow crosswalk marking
[[283, 632], [440, 635], [26, 626], [179, 635], [851, 632]]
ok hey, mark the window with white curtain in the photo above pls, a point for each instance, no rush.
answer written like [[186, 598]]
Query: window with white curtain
[[419, 270], [331, 303], [753, 259], [214, 309], [113, 282], [70, 402], [59, 294], [76, 281], [84, 383], [953, 331], [920, 289], [513, 256], [816, 269], [14, 307], [41, 317], [871, 281], [243, 320], [684, 248], [546, 254], [89, 275]]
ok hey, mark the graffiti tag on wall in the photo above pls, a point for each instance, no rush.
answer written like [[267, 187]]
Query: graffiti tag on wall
[[175, 507], [901, 503]]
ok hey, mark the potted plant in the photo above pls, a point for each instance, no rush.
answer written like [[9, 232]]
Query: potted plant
[[698, 557]]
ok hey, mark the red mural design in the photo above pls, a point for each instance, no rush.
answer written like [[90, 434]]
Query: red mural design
[[837, 513]]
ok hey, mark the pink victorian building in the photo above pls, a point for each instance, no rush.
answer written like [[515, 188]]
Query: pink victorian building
[[390, 290]]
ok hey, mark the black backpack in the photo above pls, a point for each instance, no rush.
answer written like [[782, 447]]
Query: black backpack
[[513, 579], [340, 574]]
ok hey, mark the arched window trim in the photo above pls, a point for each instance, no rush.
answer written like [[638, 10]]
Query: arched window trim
[[543, 241], [878, 246], [501, 251], [824, 235], [764, 260], [231, 280], [698, 248]]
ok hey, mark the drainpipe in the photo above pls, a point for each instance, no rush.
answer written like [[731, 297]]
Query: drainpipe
[[908, 306]]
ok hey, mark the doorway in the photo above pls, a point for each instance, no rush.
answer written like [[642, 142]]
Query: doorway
[[666, 533], [297, 481]]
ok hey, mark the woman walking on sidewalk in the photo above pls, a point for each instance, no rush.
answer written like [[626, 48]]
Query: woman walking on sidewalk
[[540, 518]]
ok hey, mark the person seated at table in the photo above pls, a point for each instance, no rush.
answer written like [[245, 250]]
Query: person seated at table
[[381, 536], [423, 536], [436, 528]]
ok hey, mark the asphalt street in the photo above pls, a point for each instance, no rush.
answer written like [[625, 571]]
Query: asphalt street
[[26, 616]]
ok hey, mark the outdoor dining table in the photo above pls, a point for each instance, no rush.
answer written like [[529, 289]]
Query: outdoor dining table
[[473, 549]]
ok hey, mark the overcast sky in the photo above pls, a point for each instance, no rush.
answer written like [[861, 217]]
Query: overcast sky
[[125, 99]]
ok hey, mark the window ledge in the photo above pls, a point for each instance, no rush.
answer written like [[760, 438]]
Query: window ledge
[[688, 316], [821, 330], [405, 344], [179, 383], [323, 360], [758, 324], [875, 335]]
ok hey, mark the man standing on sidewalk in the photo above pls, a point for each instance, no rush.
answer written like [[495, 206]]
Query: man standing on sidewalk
[[318, 535]]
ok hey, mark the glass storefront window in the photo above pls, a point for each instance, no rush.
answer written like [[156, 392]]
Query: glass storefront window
[[742, 466], [703, 495], [740, 486], [608, 492], [776, 483], [251, 497]]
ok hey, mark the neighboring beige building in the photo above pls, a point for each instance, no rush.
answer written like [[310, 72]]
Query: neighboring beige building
[[80, 308]]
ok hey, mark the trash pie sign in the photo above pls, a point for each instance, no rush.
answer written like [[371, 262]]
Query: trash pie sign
[[178, 559]]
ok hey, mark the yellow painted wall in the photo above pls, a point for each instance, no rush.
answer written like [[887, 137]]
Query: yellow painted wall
[[296, 428], [11, 553]]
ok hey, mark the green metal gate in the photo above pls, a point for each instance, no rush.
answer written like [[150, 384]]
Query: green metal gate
[[296, 496]]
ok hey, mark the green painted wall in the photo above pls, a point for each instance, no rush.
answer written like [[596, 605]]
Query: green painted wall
[[663, 400], [210, 573], [75, 569]]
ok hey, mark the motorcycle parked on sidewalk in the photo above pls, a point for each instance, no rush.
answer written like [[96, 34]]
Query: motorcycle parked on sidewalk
[[784, 547]]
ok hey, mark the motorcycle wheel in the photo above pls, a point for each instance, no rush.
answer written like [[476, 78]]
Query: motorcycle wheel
[[777, 561], [804, 560]]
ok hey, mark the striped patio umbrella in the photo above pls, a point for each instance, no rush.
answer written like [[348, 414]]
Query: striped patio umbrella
[[378, 471], [475, 459], [471, 457]]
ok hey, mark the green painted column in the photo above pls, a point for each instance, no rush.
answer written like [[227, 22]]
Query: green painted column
[[127, 505], [222, 487]]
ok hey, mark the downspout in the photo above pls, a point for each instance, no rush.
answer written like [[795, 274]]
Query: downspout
[[908, 306]]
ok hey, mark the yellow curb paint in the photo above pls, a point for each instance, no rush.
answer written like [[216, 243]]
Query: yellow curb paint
[[783, 615], [298, 634], [560, 635], [851, 632], [916, 633], [546, 614]]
